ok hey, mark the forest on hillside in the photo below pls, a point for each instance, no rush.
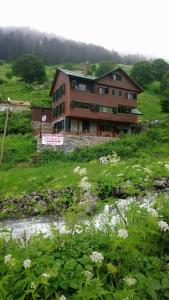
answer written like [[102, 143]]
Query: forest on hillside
[[55, 50]]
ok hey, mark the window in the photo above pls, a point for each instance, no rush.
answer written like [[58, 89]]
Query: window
[[59, 110], [120, 93], [82, 87], [103, 91], [117, 76], [114, 92], [107, 109], [76, 104], [95, 107], [59, 126], [124, 110], [131, 95], [59, 92]]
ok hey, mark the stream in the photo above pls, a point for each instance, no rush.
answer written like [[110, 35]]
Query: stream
[[26, 227]]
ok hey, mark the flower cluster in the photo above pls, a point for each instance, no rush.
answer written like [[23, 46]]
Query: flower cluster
[[163, 225], [88, 275], [122, 233], [46, 275], [62, 297], [33, 285], [113, 159], [80, 171], [96, 257], [167, 166], [130, 280], [85, 184], [7, 259], [152, 212], [27, 263]]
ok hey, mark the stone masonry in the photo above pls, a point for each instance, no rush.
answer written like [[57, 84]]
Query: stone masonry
[[72, 142]]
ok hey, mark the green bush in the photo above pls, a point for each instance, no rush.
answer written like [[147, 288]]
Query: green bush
[[18, 123]]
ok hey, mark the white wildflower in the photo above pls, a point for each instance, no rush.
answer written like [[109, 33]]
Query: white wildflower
[[76, 170], [45, 275], [103, 160], [88, 275], [130, 280], [152, 212], [85, 184], [33, 285], [80, 171], [147, 171], [136, 166], [163, 225], [147, 178], [122, 204], [7, 259], [27, 263], [166, 166], [120, 175], [96, 257], [62, 297], [109, 159], [126, 298], [122, 233]]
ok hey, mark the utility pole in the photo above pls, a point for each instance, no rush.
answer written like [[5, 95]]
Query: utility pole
[[4, 135]]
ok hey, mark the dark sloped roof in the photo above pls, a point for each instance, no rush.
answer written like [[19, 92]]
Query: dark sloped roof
[[77, 74]]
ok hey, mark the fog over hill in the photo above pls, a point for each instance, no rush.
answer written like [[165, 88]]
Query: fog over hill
[[55, 50]]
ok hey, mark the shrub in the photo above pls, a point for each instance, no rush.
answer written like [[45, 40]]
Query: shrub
[[30, 68], [8, 75], [142, 73], [18, 123]]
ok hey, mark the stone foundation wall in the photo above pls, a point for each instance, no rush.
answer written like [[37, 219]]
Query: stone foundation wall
[[46, 127], [71, 142]]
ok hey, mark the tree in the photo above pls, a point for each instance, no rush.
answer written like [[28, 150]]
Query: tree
[[164, 86], [30, 68], [160, 67], [104, 67], [165, 82], [142, 73], [165, 104]]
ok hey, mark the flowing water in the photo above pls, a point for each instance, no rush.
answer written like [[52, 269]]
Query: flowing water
[[34, 225]]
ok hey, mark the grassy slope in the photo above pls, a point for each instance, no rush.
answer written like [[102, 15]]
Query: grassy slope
[[19, 149], [18, 90], [149, 101]]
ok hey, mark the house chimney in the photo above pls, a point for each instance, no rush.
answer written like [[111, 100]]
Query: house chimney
[[86, 68]]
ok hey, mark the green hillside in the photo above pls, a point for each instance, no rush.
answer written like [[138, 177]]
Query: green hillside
[[123, 260], [16, 89]]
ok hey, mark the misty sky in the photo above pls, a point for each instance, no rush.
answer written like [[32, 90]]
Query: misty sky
[[128, 26]]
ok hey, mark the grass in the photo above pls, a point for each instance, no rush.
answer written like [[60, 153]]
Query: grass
[[55, 170], [16, 89]]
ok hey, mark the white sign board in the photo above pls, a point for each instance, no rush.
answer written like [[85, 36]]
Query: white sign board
[[44, 118], [52, 139]]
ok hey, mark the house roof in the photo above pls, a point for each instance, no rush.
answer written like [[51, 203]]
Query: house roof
[[79, 74]]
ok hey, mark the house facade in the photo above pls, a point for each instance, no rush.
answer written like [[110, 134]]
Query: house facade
[[102, 106]]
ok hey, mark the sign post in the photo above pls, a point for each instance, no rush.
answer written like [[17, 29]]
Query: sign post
[[4, 135]]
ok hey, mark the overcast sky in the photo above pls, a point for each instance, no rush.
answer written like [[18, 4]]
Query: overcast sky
[[128, 26]]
